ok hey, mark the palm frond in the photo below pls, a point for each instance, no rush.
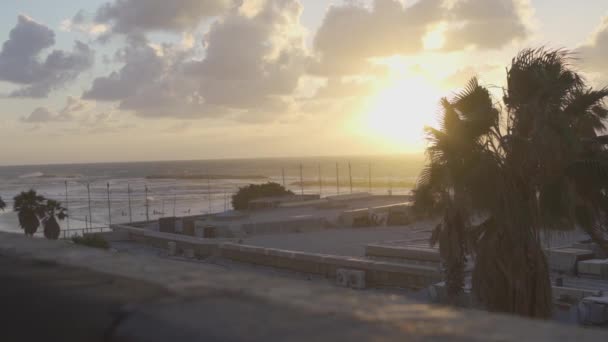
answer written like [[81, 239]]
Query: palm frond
[[593, 171], [585, 107]]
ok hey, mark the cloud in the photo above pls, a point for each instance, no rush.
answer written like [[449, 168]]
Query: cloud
[[151, 82], [21, 61], [180, 127], [80, 23], [73, 107], [594, 53], [77, 116], [39, 115], [486, 24], [336, 88], [103, 123], [251, 67], [251, 61], [69, 112], [137, 16], [142, 66], [462, 76], [351, 34]]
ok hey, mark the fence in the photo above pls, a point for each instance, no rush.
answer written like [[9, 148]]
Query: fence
[[70, 233], [94, 205]]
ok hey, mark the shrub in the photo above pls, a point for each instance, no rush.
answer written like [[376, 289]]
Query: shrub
[[95, 241], [240, 200]]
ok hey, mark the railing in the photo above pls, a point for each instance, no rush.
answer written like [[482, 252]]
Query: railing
[[67, 234]]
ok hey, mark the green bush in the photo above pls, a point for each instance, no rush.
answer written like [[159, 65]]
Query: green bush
[[240, 200], [96, 241]]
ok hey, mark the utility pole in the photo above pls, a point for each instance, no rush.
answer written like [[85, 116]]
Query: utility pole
[[337, 179], [67, 204], [129, 197], [225, 200], [350, 176], [89, 197], [109, 208], [209, 191], [147, 205], [320, 182], [301, 180], [283, 173], [174, 202], [370, 177]]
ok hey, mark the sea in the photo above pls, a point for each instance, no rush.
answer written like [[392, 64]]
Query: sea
[[102, 193]]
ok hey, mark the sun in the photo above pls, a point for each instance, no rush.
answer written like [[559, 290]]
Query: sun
[[399, 111]]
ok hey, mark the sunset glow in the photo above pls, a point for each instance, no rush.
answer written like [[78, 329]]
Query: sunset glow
[[398, 113]]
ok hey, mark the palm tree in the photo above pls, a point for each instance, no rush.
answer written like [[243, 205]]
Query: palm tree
[[2, 204], [30, 209], [502, 176], [556, 120], [53, 211], [34, 209], [456, 153]]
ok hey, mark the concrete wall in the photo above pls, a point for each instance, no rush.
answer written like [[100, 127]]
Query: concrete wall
[[575, 294], [409, 254], [201, 247], [315, 202], [377, 274]]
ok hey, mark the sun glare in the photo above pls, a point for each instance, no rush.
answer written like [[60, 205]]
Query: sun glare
[[399, 112], [435, 39]]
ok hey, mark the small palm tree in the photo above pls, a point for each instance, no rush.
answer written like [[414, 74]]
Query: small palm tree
[[30, 209], [450, 182], [53, 211]]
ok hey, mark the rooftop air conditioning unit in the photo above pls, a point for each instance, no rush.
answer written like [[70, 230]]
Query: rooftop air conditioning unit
[[593, 311], [189, 253], [342, 277], [172, 246], [354, 279]]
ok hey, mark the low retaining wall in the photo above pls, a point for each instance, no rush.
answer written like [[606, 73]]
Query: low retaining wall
[[201, 247], [575, 294], [377, 274], [409, 254]]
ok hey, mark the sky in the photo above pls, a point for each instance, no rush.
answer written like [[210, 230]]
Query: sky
[[133, 80]]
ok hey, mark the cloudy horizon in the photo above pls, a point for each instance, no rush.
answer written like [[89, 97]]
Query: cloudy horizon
[[134, 80]]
